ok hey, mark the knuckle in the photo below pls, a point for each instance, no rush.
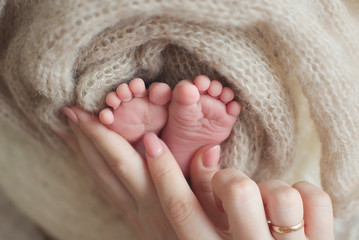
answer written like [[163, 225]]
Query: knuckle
[[203, 186], [286, 197], [179, 209], [118, 166], [163, 174], [240, 189]]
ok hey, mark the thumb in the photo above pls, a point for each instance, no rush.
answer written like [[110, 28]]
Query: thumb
[[204, 165]]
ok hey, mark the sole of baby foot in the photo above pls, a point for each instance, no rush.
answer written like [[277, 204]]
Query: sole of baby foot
[[134, 110], [201, 112]]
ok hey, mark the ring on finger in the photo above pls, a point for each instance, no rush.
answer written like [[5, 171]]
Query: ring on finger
[[286, 229]]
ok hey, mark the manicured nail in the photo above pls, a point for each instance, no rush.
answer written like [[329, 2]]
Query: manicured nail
[[152, 144], [210, 158], [70, 114]]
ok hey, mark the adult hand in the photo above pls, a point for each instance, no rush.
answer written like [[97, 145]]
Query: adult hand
[[230, 194], [121, 174], [125, 181], [227, 204]]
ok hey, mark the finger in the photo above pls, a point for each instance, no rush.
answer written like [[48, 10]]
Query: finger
[[242, 202], [70, 140], [102, 173], [318, 211], [284, 207], [178, 201], [203, 167], [121, 157]]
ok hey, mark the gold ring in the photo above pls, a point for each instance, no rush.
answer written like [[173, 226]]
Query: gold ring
[[286, 229]]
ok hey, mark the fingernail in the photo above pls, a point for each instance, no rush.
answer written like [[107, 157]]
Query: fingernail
[[70, 114], [210, 158], [152, 144]]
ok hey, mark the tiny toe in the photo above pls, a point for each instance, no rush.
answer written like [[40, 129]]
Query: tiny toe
[[138, 87], [124, 92], [234, 108], [215, 88], [186, 93], [202, 82], [227, 95], [106, 116], [113, 100], [160, 93]]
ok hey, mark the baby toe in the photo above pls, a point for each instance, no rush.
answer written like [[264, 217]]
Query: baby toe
[[202, 82], [160, 93], [227, 95], [124, 92], [186, 93], [137, 87], [233, 108], [113, 100], [106, 116], [215, 88]]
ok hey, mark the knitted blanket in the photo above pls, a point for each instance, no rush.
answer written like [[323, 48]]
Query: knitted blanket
[[278, 55]]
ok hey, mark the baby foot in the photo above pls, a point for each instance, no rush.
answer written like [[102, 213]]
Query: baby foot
[[135, 110], [200, 113]]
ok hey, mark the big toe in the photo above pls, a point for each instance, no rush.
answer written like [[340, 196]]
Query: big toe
[[159, 93], [186, 93]]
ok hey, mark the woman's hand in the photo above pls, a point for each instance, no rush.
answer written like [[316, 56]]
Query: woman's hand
[[227, 204], [124, 178], [230, 194], [121, 174]]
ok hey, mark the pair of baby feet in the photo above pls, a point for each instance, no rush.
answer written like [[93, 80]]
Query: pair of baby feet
[[195, 114]]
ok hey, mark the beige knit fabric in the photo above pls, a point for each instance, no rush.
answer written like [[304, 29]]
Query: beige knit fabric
[[271, 52]]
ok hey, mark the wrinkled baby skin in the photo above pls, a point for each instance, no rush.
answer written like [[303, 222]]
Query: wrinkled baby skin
[[195, 114]]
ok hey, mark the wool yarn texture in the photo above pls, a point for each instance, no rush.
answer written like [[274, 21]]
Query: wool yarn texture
[[57, 53]]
